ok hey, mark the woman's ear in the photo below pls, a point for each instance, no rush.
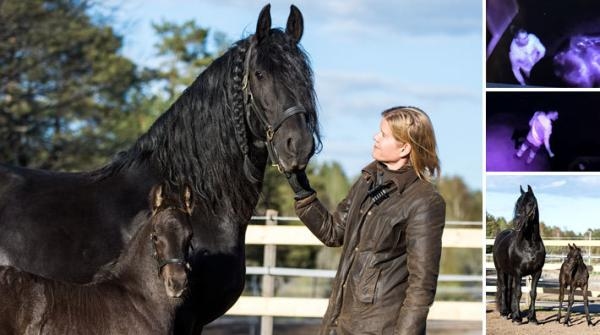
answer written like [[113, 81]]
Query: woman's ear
[[405, 150]]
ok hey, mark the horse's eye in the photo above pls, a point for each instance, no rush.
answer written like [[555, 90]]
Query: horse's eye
[[259, 75], [154, 237]]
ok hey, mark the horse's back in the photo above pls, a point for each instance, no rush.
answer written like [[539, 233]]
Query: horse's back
[[63, 225]]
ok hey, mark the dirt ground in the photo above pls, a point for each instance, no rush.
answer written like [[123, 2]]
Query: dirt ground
[[229, 325], [547, 322]]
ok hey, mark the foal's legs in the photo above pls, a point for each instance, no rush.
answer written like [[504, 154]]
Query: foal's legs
[[533, 295], [584, 291], [561, 295], [571, 298], [516, 299]]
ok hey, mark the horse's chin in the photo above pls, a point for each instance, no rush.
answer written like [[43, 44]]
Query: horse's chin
[[291, 167], [175, 293]]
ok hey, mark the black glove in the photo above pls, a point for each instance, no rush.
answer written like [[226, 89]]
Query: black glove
[[299, 183]]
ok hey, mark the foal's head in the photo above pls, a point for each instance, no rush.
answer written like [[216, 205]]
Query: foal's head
[[171, 236], [574, 256]]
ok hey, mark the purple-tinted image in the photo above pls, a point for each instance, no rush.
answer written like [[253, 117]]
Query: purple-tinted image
[[543, 131], [551, 43]]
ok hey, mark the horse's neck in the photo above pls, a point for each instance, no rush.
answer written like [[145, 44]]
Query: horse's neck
[[530, 232], [195, 140]]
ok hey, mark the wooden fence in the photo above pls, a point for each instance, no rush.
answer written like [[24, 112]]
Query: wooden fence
[[553, 263], [456, 235]]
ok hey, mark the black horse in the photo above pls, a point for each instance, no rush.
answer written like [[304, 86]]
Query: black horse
[[519, 252], [254, 102], [573, 273], [137, 294]]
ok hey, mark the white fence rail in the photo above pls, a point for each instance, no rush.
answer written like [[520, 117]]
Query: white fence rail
[[457, 234]]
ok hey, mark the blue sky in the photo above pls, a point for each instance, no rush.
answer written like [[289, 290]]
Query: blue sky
[[367, 56], [566, 201]]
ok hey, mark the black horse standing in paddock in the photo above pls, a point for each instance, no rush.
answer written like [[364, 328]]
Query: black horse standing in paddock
[[574, 274], [519, 252], [255, 101], [137, 294]]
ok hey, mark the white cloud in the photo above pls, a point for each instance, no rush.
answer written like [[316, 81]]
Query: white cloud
[[553, 184], [356, 93], [381, 16]]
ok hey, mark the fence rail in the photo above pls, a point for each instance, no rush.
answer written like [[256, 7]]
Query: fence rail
[[457, 234], [300, 235]]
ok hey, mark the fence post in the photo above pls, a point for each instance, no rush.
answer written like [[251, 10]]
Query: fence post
[[268, 281]]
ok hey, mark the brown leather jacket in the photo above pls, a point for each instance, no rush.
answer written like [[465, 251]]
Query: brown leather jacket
[[387, 276]]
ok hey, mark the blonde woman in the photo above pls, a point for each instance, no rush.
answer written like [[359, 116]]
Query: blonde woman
[[390, 229]]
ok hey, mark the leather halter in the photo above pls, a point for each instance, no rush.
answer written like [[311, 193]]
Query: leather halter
[[161, 263], [250, 105]]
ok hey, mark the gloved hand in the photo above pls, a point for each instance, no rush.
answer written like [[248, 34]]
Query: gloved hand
[[299, 183]]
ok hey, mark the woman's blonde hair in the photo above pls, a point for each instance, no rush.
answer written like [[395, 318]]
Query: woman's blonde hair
[[411, 125]]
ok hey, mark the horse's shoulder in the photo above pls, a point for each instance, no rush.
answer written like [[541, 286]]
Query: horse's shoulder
[[10, 177], [503, 235]]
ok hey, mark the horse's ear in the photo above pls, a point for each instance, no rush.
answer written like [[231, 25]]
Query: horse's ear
[[188, 199], [295, 24], [529, 189], [263, 26], [521, 187], [575, 246], [156, 197], [569, 244]]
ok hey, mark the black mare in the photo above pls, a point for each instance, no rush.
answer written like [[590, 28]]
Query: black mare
[[574, 274], [519, 252], [256, 98], [137, 294]]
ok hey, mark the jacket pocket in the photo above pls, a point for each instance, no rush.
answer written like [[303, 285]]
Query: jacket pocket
[[367, 285]]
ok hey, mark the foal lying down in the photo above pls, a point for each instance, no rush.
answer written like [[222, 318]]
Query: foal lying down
[[137, 294]]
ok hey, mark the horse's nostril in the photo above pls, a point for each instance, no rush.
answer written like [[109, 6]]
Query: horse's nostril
[[291, 146]]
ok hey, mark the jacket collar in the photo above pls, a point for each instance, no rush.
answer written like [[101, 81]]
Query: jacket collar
[[402, 178]]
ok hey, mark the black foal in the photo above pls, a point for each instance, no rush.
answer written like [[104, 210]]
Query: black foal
[[136, 294], [573, 273]]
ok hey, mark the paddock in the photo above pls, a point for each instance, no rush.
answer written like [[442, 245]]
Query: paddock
[[278, 314], [547, 299]]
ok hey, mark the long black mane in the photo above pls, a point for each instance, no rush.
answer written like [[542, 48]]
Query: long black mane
[[197, 131]]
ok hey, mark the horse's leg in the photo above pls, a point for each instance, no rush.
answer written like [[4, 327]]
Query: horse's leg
[[584, 291], [533, 295], [508, 280], [501, 293], [561, 295], [571, 299], [516, 299]]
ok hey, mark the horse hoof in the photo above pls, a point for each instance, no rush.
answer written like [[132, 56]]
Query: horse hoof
[[533, 321], [517, 321]]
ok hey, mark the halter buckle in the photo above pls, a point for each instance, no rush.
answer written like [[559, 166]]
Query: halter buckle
[[270, 134]]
